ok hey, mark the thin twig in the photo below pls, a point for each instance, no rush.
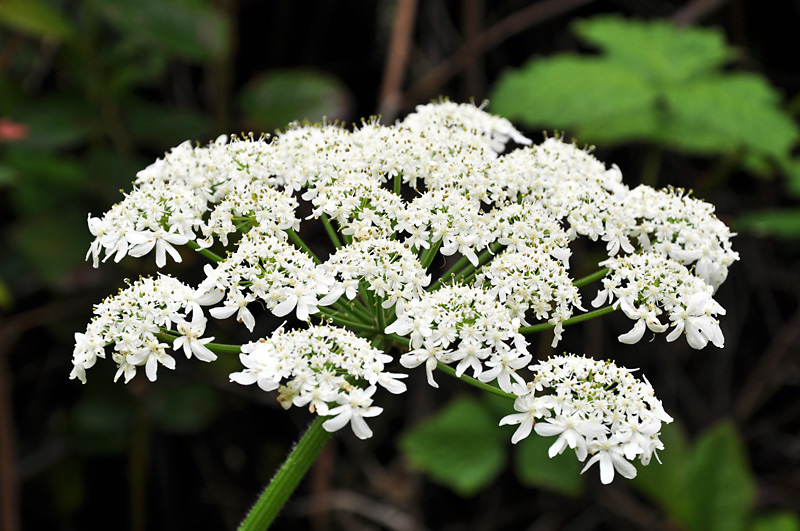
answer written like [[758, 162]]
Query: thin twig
[[386, 515], [694, 11], [396, 60], [464, 56], [767, 377], [472, 15]]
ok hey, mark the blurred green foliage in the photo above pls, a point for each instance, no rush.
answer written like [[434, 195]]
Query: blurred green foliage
[[667, 86], [653, 82], [277, 97], [92, 92], [104, 118], [705, 486]]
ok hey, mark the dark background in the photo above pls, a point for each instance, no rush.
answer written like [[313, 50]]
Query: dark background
[[88, 104]]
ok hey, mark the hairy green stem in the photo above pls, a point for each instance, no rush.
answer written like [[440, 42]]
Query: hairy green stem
[[354, 325], [326, 222], [400, 341], [356, 308], [287, 478], [429, 254], [474, 382], [379, 313], [214, 257], [588, 279], [572, 320]]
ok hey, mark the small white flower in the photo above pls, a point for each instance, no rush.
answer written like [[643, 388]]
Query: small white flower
[[353, 408], [572, 432], [142, 242], [611, 456], [191, 341]]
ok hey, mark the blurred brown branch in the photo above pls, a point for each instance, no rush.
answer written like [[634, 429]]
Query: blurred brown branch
[[485, 40]]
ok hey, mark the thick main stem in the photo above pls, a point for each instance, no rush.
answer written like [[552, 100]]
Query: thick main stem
[[282, 486]]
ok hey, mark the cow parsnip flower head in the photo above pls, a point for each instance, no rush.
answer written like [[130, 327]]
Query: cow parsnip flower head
[[440, 183]]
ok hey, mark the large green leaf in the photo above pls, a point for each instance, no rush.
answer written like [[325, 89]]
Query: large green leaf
[[534, 468], [654, 83], [657, 49], [460, 446], [726, 112], [719, 487], [35, 17], [277, 97], [568, 91]]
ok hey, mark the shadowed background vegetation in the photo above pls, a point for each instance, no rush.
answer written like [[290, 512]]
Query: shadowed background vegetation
[[92, 91]]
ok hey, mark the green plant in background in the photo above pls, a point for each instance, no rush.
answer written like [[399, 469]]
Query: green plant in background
[[656, 83], [704, 486], [653, 82], [85, 139], [508, 219], [89, 91]]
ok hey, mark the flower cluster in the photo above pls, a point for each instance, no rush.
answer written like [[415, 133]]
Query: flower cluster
[[471, 319], [389, 269], [437, 191], [646, 286], [136, 321], [271, 270], [595, 408], [320, 366]]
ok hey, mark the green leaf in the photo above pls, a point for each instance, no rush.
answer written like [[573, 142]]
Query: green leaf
[[553, 93], [726, 112], [191, 29], [654, 83], [534, 468], [460, 446], [35, 17], [277, 97], [657, 49], [777, 521], [664, 482], [782, 223], [719, 487]]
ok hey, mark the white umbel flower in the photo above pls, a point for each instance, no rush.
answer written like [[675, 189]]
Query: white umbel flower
[[593, 407]]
